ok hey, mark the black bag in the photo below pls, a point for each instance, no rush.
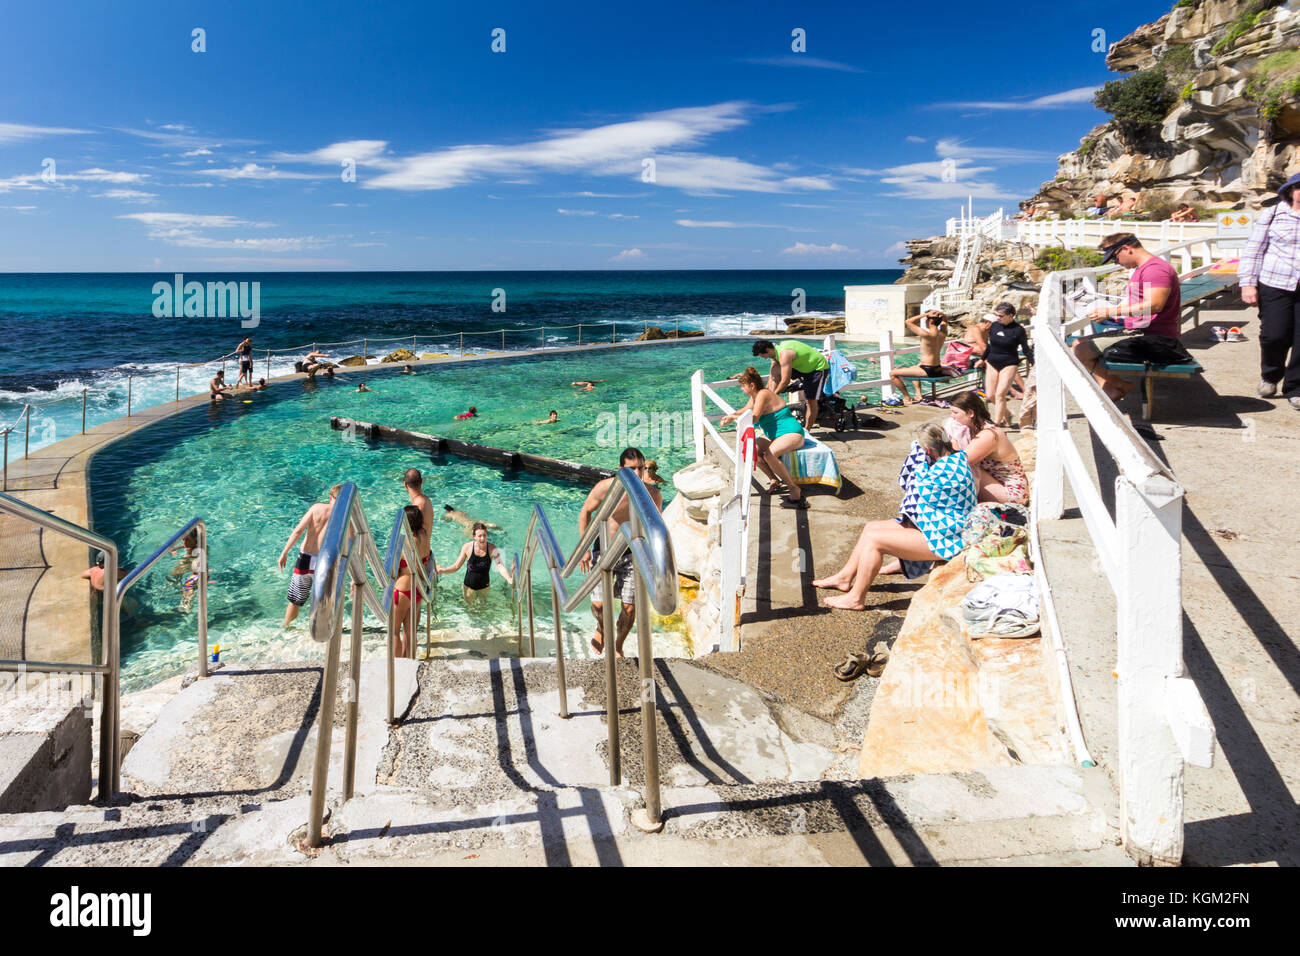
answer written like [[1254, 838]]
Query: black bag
[[297, 367], [1152, 350]]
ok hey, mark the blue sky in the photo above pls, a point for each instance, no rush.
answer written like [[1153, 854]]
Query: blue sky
[[167, 159]]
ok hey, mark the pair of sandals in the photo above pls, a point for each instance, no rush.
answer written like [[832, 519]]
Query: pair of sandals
[[795, 504], [855, 665]]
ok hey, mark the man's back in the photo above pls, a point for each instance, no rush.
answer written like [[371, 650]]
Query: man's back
[[318, 516]]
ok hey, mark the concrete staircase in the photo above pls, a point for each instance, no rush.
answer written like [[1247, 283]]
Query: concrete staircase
[[483, 770]]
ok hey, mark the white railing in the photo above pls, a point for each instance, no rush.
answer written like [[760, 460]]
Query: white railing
[[1073, 233], [734, 518], [993, 226], [1162, 719]]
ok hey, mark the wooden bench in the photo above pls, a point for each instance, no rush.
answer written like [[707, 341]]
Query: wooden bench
[[1147, 376]]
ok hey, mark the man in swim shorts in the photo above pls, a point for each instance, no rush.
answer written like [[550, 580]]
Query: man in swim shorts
[[245, 352], [624, 572], [932, 329], [309, 528], [413, 482]]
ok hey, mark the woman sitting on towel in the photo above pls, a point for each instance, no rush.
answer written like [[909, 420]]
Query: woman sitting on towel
[[1000, 475], [940, 493], [783, 431]]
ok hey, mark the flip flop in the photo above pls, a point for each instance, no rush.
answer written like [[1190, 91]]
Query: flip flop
[[798, 504], [852, 667]]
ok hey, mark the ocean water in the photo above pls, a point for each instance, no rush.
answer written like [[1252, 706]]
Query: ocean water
[[62, 334], [251, 466]]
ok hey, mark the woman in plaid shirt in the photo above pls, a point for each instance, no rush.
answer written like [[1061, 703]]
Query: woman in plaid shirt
[[1269, 276]]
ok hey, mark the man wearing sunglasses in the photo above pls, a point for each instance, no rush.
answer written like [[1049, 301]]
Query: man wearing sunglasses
[[1153, 306]]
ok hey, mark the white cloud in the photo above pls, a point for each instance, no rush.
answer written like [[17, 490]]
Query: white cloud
[[954, 148], [201, 151], [97, 175], [730, 224], [1075, 97], [628, 254], [254, 171], [914, 139], [20, 208], [808, 249], [21, 133], [127, 195], [576, 212], [182, 229], [360, 151], [615, 149], [799, 59], [184, 220]]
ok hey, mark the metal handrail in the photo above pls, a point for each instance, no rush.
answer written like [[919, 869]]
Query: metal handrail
[[646, 536], [336, 567], [109, 740], [201, 566]]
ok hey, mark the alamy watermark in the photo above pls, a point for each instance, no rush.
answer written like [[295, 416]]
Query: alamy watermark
[[643, 429], [216, 300]]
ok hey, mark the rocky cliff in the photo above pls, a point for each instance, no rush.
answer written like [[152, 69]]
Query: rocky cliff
[[1208, 114]]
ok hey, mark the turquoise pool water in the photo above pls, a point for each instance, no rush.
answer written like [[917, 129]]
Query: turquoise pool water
[[251, 468]]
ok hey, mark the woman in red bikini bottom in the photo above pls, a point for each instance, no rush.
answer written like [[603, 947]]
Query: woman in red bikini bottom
[[402, 587]]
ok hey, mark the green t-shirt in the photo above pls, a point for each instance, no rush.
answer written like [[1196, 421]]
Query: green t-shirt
[[806, 357]]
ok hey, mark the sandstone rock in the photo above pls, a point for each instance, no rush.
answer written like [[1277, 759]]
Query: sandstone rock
[[700, 480], [435, 355], [352, 360], [813, 325], [654, 332], [690, 538], [400, 355]]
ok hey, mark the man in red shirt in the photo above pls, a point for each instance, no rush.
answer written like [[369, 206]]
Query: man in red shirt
[[1154, 305]]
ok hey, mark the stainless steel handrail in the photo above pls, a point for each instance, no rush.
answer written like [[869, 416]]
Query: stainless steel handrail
[[109, 741], [646, 536], [201, 566]]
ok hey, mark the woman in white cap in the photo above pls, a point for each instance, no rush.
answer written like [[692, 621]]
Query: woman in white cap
[[1269, 276]]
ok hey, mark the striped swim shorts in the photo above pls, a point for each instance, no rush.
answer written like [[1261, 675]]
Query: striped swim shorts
[[300, 583]]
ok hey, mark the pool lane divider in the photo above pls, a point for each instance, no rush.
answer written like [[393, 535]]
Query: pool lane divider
[[509, 461]]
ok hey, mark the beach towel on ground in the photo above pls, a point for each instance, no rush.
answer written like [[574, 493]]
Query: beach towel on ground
[[841, 373], [813, 464]]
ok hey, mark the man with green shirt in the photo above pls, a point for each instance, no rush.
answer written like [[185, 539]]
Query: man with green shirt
[[791, 358]]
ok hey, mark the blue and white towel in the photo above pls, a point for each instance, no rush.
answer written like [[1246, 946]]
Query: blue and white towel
[[937, 498], [842, 372]]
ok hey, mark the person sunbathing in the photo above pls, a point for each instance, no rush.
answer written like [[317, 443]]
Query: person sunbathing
[[932, 329], [941, 493]]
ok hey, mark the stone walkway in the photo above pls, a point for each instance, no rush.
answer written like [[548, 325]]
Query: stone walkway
[[1236, 456]]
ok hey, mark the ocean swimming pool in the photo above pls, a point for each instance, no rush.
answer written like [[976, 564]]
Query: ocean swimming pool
[[251, 466]]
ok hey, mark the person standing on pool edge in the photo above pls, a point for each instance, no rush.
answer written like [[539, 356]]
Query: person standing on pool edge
[[789, 358], [309, 528]]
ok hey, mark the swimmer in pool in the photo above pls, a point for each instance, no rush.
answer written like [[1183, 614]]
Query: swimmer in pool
[[363, 387], [407, 370], [554, 417], [465, 521], [587, 386], [472, 413], [480, 553]]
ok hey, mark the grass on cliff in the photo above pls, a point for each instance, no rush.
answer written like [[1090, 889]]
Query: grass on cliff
[[1059, 259], [1244, 22], [1274, 82]]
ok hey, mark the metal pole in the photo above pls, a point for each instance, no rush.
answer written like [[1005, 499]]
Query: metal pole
[[413, 615], [559, 652], [365, 349], [462, 345], [109, 735], [130, 379], [543, 336], [611, 678], [4, 485], [414, 346], [579, 333], [178, 383], [83, 411], [652, 821], [354, 693], [392, 638], [27, 427], [503, 340], [324, 731], [203, 600], [532, 636], [613, 336], [268, 363]]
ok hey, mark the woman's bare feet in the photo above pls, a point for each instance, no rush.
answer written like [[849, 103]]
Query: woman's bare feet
[[893, 567], [597, 645], [773, 488], [844, 603], [836, 582]]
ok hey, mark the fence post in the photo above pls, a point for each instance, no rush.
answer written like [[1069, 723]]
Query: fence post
[[1150, 653], [178, 383], [414, 344], [83, 411], [503, 340], [130, 379], [613, 336], [268, 363], [697, 412], [27, 428], [462, 345], [365, 349], [1049, 479], [543, 336], [886, 362], [4, 483], [579, 333]]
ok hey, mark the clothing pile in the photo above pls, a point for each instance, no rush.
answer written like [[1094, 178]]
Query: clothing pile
[[1005, 601]]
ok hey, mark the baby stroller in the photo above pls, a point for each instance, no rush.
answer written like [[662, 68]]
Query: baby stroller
[[832, 411]]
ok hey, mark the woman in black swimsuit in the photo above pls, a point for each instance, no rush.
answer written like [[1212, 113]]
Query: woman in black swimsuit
[[1007, 339], [479, 554]]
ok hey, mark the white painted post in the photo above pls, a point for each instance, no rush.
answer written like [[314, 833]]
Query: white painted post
[[697, 412], [828, 343], [1150, 638], [886, 362], [1049, 479], [732, 528]]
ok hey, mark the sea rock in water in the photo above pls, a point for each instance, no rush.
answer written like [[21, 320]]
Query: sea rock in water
[[355, 360], [813, 325], [401, 355], [435, 355], [654, 332]]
